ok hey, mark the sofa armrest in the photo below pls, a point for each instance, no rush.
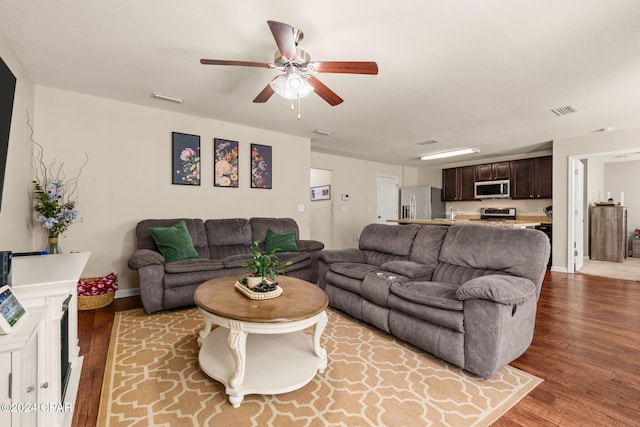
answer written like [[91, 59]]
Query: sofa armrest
[[507, 290], [309, 245], [342, 255], [143, 257]]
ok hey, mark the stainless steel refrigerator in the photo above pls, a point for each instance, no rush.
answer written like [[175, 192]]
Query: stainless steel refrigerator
[[424, 202]]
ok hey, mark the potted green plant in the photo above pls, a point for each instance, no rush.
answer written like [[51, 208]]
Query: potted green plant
[[263, 266]]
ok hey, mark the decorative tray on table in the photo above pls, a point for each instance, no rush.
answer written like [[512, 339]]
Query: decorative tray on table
[[258, 295]]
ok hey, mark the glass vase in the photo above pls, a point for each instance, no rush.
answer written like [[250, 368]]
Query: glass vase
[[53, 247]]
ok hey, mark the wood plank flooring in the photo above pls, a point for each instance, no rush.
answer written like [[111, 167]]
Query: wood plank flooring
[[586, 348]]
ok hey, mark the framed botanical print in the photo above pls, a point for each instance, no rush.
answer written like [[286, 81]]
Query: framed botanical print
[[185, 159], [225, 163], [261, 166]]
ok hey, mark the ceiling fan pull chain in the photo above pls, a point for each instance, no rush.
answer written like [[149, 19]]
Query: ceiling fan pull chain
[[299, 109]]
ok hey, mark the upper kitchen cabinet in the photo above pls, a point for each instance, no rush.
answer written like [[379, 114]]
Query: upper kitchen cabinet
[[493, 171], [458, 184], [532, 178]]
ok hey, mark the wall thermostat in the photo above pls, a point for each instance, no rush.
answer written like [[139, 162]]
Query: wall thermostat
[[345, 197]]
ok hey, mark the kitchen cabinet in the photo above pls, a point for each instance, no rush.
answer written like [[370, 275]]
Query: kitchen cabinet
[[458, 184], [22, 381], [532, 178], [493, 171], [608, 233]]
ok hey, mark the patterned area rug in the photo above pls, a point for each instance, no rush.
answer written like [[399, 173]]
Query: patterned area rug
[[153, 378]]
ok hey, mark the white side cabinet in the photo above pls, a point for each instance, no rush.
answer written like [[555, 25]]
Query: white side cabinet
[[51, 281], [23, 382]]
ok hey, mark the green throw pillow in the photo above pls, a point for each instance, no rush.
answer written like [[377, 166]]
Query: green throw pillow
[[285, 242], [174, 243]]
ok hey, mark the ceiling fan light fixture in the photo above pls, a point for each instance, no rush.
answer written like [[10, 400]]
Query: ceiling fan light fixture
[[452, 153], [291, 85]]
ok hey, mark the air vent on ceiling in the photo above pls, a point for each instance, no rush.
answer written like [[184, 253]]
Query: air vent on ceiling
[[432, 141], [563, 111]]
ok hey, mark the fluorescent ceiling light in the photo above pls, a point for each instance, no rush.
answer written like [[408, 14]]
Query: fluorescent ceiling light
[[167, 97], [449, 154]]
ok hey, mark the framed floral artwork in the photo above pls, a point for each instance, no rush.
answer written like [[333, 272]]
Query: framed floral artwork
[[261, 166], [225, 163], [185, 159]]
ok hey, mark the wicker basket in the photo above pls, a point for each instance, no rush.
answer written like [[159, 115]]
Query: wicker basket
[[93, 302]]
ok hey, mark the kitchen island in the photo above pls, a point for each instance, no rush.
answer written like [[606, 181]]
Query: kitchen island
[[514, 223]]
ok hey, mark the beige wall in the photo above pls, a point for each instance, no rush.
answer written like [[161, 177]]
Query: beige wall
[[358, 179], [128, 177], [15, 214], [581, 147]]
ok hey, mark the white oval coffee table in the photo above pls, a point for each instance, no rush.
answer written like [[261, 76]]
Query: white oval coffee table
[[260, 346]]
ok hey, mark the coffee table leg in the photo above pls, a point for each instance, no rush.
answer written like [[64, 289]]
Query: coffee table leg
[[238, 345], [317, 348], [204, 333]]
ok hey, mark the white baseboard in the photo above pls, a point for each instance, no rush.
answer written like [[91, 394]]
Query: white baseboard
[[560, 269], [123, 293]]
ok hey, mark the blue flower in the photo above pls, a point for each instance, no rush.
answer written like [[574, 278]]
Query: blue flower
[[47, 223]]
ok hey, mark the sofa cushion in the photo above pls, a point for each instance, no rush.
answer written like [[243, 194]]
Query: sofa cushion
[[293, 257], [390, 239], [195, 227], [280, 242], [502, 289], [408, 268], [235, 261], [260, 227], [193, 264], [353, 270], [435, 294], [519, 252], [174, 243], [427, 244]]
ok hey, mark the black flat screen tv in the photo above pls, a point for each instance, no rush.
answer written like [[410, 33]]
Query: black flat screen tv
[[7, 93]]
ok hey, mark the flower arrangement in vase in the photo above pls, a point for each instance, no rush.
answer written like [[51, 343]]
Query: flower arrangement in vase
[[263, 268], [53, 200]]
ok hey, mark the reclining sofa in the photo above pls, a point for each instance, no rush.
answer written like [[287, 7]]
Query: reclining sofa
[[466, 294], [222, 247]]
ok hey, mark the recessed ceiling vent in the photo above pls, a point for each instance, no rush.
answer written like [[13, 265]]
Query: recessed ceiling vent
[[563, 111], [432, 141]]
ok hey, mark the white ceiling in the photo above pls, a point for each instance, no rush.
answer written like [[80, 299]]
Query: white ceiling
[[479, 74]]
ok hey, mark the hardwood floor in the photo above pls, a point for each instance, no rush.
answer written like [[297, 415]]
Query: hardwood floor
[[586, 348]]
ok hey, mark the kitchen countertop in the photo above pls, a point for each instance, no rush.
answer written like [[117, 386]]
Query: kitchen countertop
[[515, 223]]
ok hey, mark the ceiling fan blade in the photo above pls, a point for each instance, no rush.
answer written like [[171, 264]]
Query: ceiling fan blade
[[324, 92], [265, 94], [238, 63], [283, 34], [346, 67]]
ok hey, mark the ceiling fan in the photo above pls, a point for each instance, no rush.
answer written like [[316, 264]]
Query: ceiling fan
[[297, 81]]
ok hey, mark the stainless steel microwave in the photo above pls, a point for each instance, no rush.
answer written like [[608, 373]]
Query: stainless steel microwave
[[492, 189]]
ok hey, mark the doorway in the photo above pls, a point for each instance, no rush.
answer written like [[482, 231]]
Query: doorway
[[586, 186], [321, 217]]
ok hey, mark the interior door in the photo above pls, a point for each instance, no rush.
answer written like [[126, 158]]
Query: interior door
[[578, 220], [387, 199]]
